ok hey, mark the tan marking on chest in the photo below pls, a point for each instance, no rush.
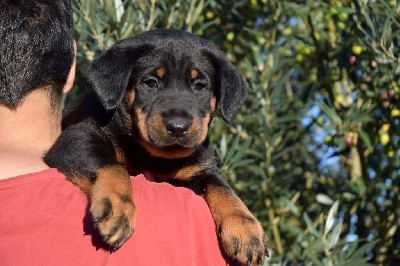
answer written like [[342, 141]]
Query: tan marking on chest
[[188, 172]]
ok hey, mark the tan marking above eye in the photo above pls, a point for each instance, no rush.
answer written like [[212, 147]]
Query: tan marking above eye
[[194, 73], [160, 72]]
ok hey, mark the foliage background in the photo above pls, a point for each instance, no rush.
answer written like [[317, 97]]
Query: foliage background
[[314, 152]]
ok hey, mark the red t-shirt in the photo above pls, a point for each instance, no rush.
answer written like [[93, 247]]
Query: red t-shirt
[[44, 221]]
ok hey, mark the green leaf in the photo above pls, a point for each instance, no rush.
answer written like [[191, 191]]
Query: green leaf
[[348, 196], [335, 235], [331, 217], [363, 249], [287, 119], [241, 150], [310, 225], [352, 247], [223, 146], [370, 24], [359, 116], [231, 150], [331, 113], [367, 141], [355, 262], [292, 207], [324, 199]]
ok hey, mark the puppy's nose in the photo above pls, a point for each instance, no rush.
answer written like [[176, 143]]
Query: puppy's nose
[[177, 125]]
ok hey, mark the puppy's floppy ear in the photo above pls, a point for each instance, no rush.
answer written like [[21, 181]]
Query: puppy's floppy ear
[[231, 88], [110, 73]]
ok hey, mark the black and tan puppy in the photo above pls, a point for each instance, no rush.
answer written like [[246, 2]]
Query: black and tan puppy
[[154, 96]]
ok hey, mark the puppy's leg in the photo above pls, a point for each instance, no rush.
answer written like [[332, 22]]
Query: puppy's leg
[[241, 235], [88, 159]]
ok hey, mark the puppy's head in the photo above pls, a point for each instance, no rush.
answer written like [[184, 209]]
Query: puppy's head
[[170, 82]]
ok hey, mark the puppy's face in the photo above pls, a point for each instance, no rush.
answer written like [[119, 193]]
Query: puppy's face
[[171, 96], [170, 83]]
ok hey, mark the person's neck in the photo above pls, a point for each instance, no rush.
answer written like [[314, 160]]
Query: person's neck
[[26, 133]]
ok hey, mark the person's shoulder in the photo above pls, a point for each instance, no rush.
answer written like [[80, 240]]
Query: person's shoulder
[[174, 226], [36, 179], [144, 191], [166, 194]]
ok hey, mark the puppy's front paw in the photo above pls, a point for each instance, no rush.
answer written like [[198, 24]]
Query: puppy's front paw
[[242, 237], [114, 217], [113, 211]]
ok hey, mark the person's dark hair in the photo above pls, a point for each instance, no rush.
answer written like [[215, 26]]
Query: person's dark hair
[[36, 47]]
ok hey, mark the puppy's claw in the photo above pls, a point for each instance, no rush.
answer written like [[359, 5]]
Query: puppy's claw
[[102, 211]]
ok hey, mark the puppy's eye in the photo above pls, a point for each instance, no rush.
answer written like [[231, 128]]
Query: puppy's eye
[[199, 85], [151, 82]]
